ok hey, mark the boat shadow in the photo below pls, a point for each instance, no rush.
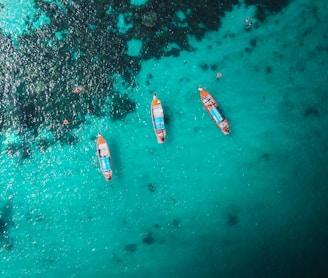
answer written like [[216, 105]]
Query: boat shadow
[[167, 120], [115, 152]]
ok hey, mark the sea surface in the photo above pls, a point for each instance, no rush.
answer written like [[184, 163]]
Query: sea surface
[[250, 204]]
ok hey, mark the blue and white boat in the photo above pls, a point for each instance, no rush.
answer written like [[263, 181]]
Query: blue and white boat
[[214, 111], [104, 157], [157, 116]]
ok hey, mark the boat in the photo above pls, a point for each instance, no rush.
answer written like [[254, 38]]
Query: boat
[[214, 110], [104, 157], [157, 116]]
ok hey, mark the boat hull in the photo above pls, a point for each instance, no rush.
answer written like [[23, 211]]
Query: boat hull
[[104, 158], [157, 116], [213, 109]]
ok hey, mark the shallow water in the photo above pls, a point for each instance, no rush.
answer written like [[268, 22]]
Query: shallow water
[[251, 204]]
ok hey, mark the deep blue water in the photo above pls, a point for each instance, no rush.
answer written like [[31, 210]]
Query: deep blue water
[[250, 204]]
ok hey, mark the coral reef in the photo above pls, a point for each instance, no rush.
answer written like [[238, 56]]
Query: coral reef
[[83, 47]]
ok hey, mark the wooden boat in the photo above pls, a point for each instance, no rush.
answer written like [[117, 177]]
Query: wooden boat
[[104, 158], [157, 116], [214, 111]]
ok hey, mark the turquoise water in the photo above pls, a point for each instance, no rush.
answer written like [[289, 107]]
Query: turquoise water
[[251, 204]]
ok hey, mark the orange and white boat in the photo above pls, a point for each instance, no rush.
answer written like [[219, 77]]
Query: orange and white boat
[[104, 157], [157, 116], [214, 111]]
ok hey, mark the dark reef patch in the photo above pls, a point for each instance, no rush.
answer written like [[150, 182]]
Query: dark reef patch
[[266, 7], [214, 67], [265, 156], [12, 149], [232, 216], [151, 187], [69, 139], [252, 42], [175, 52], [6, 222], [26, 152], [148, 239], [204, 67], [43, 145], [311, 111], [130, 248], [232, 219], [121, 106], [176, 223], [268, 69]]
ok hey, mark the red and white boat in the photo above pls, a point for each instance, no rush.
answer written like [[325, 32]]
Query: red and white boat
[[104, 157], [214, 111], [157, 116]]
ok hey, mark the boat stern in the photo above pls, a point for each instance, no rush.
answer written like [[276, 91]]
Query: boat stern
[[161, 134], [108, 175], [224, 126]]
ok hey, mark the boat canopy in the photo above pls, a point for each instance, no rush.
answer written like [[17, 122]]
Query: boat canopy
[[217, 115], [105, 163], [159, 123]]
